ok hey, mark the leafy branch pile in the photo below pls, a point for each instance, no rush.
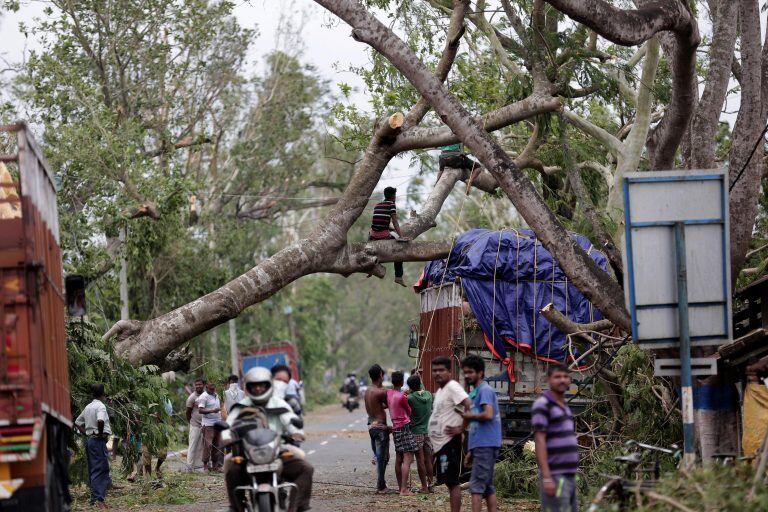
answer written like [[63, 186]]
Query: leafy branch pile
[[725, 489], [135, 396]]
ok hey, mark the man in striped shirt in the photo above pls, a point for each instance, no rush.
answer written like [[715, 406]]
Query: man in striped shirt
[[557, 450], [384, 215]]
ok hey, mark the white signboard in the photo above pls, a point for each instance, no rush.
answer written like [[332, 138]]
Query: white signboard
[[653, 203]]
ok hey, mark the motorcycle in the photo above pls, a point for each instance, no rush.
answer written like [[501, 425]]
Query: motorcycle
[[260, 448], [351, 403]]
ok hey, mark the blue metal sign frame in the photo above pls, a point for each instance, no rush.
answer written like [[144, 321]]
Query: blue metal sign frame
[[722, 220]]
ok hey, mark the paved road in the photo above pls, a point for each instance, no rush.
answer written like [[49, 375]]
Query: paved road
[[338, 447]]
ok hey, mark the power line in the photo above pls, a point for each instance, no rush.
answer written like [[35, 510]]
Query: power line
[[744, 167]]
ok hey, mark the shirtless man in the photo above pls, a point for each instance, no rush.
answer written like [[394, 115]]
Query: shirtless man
[[375, 403]]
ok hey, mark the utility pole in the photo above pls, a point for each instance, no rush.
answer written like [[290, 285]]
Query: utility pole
[[124, 314], [233, 353]]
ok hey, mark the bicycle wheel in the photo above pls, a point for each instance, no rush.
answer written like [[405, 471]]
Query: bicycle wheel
[[611, 496]]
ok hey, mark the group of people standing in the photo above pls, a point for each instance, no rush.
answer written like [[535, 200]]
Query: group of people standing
[[204, 408], [431, 430]]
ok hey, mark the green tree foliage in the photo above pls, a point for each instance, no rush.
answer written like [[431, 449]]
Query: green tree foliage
[[136, 397]]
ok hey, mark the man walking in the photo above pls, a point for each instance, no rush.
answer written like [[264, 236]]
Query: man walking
[[233, 393], [210, 408], [420, 401], [446, 426], [484, 434], [195, 449], [557, 449], [384, 215], [93, 422], [375, 403], [405, 443]]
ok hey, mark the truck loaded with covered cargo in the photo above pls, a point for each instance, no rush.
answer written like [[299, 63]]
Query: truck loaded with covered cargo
[[486, 299], [35, 418]]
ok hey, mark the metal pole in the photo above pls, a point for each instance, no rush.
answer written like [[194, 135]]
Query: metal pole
[[686, 381], [124, 313], [233, 354]]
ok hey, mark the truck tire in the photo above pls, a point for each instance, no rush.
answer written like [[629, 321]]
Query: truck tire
[[57, 497]]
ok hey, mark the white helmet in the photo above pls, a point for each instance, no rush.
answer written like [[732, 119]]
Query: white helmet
[[258, 375]]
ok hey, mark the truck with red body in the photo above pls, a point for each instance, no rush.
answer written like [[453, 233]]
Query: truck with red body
[[35, 416]]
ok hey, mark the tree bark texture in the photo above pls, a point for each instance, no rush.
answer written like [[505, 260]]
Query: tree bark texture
[[707, 117], [597, 286], [745, 195]]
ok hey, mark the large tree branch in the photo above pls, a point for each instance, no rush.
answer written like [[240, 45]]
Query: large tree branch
[[596, 285], [627, 27], [744, 196], [368, 256], [706, 120], [614, 146], [629, 161], [587, 206], [537, 103]]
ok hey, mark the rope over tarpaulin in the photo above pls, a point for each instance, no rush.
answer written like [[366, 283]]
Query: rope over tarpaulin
[[508, 277]]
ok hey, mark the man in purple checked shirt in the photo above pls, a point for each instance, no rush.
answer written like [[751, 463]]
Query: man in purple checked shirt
[[557, 450]]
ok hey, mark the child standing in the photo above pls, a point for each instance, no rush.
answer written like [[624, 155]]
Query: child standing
[[405, 443]]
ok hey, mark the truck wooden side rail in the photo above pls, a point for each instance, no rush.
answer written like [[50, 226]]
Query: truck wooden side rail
[[35, 417]]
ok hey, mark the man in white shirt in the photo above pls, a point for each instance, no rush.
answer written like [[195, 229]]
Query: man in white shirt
[[93, 422], [446, 426], [233, 393], [209, 406], [195, 449]]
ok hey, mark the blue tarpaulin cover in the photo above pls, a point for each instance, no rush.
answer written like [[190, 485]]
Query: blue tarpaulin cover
[[526, 278]]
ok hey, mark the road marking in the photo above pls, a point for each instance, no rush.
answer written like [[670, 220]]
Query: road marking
[[324, 443], [310, 452], [344, 430], [351, 425], [334, 436]]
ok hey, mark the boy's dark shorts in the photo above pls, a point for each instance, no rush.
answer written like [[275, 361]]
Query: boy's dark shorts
[[448, 461], [483, 461]]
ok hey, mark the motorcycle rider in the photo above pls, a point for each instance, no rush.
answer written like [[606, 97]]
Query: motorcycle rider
[[259, 390], [352, 389]]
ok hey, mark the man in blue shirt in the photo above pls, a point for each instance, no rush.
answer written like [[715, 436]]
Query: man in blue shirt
[[484, 434]]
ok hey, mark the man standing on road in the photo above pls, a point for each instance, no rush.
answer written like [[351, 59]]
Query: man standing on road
[[375, 403], [93, 422], [233, 393], [484, 434], [195, 449], [210, 408], [557, 449], [384, 214], [420, 401], [446, 426], [405, 443]]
